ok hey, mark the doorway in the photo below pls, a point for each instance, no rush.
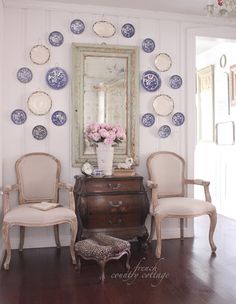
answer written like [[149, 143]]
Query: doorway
[[215, 150]]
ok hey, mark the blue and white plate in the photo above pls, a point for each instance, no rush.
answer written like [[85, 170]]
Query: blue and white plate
[[24, 75], [77, 26], [57, 78], [151, 81], [128, 30], [178, 119], [39, 132], [148, 45], [59, 118], [175, 81], [18, 116], [56, 38], [148, 119], [164, 131]]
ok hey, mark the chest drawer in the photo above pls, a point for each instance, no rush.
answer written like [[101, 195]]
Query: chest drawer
[[112, 220], [109, 186], [113, 204]]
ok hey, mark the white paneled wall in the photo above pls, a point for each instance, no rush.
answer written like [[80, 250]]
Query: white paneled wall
[[1, 116], [29, 23]]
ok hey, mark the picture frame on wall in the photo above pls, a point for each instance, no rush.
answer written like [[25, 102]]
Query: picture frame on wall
[[233, 84], [205, 105]]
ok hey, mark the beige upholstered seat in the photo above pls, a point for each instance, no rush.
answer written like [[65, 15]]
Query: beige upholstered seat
[[38, 179], [168, 195]]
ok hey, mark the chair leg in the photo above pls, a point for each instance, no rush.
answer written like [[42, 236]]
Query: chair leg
[[213, 221], [181, 221], [56, 235], [22, 238], [152, 229], [7, 244], [74, 227], [158, 221]]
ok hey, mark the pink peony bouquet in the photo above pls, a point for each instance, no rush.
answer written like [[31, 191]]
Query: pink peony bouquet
[[105, 133]]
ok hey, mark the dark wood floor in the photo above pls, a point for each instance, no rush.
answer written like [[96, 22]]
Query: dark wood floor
[[187, 275]]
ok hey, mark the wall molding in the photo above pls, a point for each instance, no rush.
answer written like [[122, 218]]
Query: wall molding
[[108, 10]]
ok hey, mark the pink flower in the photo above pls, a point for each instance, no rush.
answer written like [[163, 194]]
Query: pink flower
[[106, 133]]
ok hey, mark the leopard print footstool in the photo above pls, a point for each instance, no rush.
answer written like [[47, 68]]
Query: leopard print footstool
[[102, 248]]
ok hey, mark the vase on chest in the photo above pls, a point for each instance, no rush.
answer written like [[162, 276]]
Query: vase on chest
[[105, 154]]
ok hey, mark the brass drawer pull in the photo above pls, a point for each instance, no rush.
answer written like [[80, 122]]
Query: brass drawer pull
[[114, 186], [115, 204]]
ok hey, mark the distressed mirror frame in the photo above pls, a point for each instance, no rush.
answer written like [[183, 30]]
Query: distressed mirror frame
[[79, 52]]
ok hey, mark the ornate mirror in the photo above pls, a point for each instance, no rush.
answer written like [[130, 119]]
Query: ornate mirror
[[104, 90]]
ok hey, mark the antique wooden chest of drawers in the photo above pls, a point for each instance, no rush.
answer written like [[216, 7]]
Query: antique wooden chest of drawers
[[117, 206]]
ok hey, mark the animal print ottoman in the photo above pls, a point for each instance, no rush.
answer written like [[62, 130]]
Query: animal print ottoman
[[102, 248]]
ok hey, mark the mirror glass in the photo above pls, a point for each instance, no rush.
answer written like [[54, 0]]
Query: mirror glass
[[105, 90]]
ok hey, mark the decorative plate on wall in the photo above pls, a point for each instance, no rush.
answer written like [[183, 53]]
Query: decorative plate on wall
[[77, 26], [175, 81], [39, 54], [223, 61], [24, 75], [104, 29], [59, 118], [57, 78], [39, 132], [128, 30], [39, 103], [18, 116], [56, 38], [148, 119], [164, 131], [163, 62], [151, 81], [163, 105], [178, 119], [148, 45]]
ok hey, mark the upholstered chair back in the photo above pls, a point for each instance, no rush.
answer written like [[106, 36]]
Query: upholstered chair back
[[167, 170], [38, 176]]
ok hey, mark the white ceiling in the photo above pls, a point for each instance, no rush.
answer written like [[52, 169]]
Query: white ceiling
[[194, 7]]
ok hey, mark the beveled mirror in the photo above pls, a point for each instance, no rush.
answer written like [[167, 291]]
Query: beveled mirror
[[105, 89]]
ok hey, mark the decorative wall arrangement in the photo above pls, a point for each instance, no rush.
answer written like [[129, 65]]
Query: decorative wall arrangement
[[40, 103], [151, 81]]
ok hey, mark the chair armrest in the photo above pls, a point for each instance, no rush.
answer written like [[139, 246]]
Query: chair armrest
[[151, 184], [6, 196], [203, 183], [68, 188], [154, 195]]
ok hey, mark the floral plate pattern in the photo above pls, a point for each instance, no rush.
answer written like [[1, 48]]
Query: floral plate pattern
[[56, 38], [164, 131], [24, 75], [151, 81], [148, 45], [77, 26], [39, 132], [59, 118], [18, 116], [175, 81], [128, 30], [148, 119], [178, 119], [57, 78]]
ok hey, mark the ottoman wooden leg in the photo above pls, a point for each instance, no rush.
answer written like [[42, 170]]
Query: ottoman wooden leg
[[78, 265], [102, 266], [127, 265]]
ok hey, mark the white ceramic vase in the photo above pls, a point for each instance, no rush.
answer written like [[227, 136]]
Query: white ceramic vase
[[105, 158]]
